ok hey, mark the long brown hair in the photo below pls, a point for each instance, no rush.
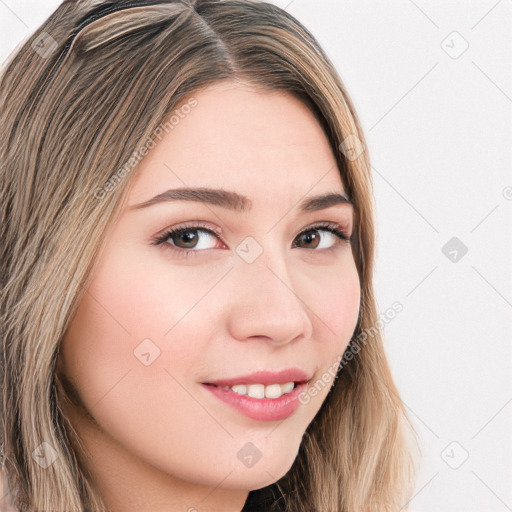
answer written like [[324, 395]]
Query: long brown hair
[[79, 100]]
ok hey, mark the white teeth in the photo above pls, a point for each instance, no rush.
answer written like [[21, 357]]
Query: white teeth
[[287, 387], [256, 390], [273, 391], [262, 391], [241, 389]]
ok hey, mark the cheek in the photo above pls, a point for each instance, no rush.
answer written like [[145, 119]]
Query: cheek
[[335, 302], [134, 389], [334, 299], [126, 321], [147, 293]]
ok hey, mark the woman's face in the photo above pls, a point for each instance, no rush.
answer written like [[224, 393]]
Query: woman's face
[[238, 292]]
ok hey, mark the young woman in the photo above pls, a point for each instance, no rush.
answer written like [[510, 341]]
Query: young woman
[[187, 254]]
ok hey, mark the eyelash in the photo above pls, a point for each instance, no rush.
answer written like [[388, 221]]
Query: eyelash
[[331, 227]]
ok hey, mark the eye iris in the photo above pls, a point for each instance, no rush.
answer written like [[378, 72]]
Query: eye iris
[[311, 236], [188, 237]]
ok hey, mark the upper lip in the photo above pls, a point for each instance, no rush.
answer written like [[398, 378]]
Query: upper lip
[[267, 377]]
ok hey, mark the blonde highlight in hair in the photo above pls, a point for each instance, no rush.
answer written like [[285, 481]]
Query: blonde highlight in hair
[[70, 120]]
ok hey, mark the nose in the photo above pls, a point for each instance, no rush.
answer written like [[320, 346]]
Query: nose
[[265, 304]]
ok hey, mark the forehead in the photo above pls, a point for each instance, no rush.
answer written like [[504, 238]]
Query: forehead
[[265, 144]]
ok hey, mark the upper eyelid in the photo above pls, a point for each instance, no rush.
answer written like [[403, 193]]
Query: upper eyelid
[[217, 230]]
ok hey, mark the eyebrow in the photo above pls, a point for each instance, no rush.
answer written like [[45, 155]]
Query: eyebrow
[[237, 202]]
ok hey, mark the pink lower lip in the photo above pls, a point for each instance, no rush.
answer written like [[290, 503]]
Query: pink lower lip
[[262, 409]]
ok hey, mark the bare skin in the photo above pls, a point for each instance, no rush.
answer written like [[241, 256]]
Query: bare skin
[[158, 441]]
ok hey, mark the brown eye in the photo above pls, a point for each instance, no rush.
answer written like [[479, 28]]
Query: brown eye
[[188, 238], [331, 234], [194, 238], [310, 238]]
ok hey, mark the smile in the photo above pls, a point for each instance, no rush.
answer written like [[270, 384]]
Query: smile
[[264, 395]]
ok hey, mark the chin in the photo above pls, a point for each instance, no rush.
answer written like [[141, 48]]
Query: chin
[[271, 467]]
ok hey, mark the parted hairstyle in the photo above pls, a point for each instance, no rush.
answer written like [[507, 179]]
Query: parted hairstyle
[[79, 99]]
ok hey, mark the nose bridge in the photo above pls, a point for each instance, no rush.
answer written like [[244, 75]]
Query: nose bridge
[[267, 303]]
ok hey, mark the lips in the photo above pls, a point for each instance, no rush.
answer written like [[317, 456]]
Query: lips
[[265, 377], [257, 396]]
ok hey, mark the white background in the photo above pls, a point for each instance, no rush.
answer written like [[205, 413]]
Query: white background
[[438, 125]]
